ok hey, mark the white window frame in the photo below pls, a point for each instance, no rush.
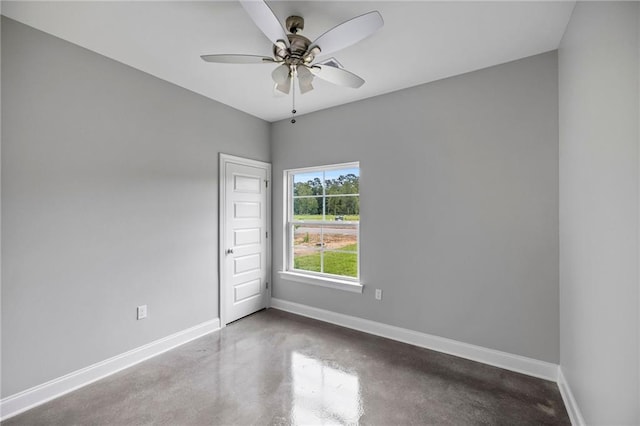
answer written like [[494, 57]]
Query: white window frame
[[352, 284]]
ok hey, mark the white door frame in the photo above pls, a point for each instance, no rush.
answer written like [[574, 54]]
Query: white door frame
[[222, 244]]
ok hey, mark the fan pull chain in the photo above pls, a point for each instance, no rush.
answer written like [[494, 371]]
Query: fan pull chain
[[293, 106]]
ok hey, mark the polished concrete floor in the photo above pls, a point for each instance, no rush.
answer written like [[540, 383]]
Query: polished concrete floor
[[275, 368]]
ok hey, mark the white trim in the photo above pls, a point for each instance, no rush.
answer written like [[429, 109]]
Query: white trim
[[326, 222], [222, 244], [244, 161], [338, 166], [569, 401], [520, 364], [37, 395], [322, 281]]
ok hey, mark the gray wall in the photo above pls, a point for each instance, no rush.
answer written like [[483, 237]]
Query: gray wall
[[109, 201], [598, 90], [459, 200]]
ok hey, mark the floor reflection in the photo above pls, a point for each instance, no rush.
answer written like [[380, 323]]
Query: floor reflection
[[323, 394]]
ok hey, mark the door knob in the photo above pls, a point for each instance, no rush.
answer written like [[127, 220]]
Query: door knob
[[229, 251]]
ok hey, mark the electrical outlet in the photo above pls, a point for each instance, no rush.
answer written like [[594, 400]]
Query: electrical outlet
[[378, 294], [142, 312]]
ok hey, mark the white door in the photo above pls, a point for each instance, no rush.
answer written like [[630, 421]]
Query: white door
[[244, 247]]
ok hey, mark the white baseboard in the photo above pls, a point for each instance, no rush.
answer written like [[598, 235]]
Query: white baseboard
[[569, 401], [517, 363], [23, 401]]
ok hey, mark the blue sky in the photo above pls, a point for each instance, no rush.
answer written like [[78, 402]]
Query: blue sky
[[330, 174]]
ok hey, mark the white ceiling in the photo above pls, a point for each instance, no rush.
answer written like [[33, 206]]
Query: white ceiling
[[421, 41]]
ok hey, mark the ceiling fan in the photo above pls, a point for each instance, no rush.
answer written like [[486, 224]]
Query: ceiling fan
[[295, 54]]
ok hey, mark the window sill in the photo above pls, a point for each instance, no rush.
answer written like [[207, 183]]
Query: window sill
[[338, 284]]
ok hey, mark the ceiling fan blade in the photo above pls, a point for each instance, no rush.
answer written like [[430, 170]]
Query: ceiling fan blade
[[281, 74], [285, 86], [337, 76], [266, 20], [305, 78], [348, 33], [237, 59]]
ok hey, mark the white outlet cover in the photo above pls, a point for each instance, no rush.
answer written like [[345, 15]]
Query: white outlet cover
[[142, 312], [378, 294]]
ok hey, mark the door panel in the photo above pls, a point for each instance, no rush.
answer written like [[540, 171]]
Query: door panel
[[247, 290], [243, 237], [245, 258], [247, 263], [245, 210], [246, 184]]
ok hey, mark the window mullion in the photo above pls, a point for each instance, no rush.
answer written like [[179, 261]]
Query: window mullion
[[324, 218], [322, 249], [324, 196]]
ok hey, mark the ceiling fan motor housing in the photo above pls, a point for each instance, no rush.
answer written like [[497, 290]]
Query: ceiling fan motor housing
[[298, 51], [295, 23], [298, 45]]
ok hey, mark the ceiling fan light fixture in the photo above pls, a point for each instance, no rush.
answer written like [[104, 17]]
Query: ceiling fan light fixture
[[305, 87], [311, 55], [280, 51], [284, 87], [277, 92], [282, 74]]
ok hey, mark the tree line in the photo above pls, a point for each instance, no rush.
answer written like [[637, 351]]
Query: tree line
[[346, 185]]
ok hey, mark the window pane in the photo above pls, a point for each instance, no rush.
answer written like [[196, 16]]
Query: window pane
[[307, 237], [343, 208], [340, 237], [307, 183], [309, 261], [339, 263], [345, 181], [307, 244], [307, 208]]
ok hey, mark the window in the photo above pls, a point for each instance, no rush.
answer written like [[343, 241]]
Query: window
[[323, 225]]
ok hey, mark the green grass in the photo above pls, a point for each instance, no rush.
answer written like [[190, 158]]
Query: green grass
[[336, 263], [354, 218]]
